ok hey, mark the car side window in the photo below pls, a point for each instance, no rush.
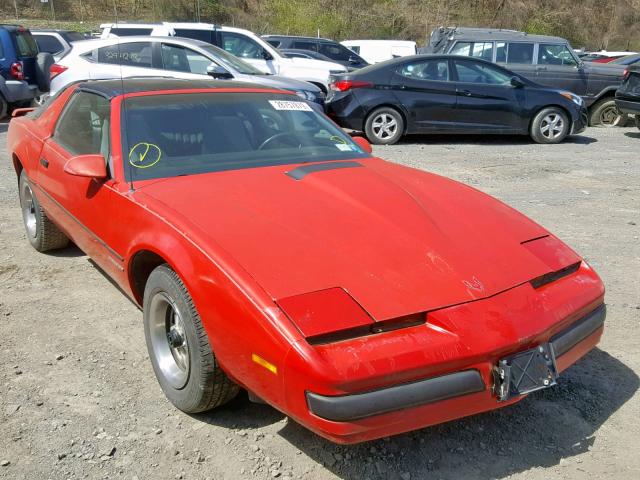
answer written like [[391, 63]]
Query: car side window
[[432, 70], [128, 32], [471, 72], [241, 45], [83, 126], [482, 50], [461, 48], [520, 53], [136, 54], [1, 50], [336, 52], [181, 59], [195, 34], [501, 52], [305, 45], [554, 54], [48, 43]]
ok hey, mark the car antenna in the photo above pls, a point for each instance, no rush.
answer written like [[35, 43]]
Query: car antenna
[[123, 116]]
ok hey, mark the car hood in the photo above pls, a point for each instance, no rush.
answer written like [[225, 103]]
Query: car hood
[[398, 240], [311, 63], [276, 81], [604, 69]]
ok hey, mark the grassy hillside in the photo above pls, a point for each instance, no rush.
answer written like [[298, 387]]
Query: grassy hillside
[[595, 24]]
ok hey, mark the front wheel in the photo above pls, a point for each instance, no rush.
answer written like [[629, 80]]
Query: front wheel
[[4, 107], [605, 113], [179, 349], [550, 125], [384, 126]]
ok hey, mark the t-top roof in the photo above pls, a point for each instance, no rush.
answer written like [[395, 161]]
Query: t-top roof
[[115, 87]]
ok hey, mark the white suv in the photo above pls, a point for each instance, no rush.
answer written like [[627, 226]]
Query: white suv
[[241, 43]]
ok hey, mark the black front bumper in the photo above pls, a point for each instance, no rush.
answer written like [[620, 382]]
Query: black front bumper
[[356, 406]]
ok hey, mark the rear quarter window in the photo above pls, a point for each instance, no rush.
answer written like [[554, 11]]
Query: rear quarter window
[[26, 44], [128, 32]]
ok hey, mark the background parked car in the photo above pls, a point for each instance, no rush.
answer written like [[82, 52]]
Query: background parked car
[[241, 43], [628, 95], [297, 53], [374, 51], [450, 94], [336, 52], [605, 56], [56, 42], [628, 60], [24, 72], [542, 59], [146, 56]]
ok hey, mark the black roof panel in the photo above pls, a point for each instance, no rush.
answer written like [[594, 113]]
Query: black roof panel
[[115, 87]]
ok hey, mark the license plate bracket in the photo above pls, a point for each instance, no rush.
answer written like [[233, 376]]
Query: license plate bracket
[[525, 372]]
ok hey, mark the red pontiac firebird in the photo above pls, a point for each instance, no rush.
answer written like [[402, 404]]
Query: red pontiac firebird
[[270, 251]]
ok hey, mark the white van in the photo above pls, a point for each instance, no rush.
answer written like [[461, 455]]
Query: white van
[[241, 43], [374, 51]]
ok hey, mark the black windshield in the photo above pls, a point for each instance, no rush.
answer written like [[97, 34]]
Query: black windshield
[[191, 133]]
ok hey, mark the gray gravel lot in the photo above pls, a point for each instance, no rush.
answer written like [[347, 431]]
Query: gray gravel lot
[[78, 398]]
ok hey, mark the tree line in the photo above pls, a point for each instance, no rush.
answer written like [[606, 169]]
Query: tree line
[[594, 24]]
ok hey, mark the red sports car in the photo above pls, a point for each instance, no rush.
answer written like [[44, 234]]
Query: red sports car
[[270, 251]]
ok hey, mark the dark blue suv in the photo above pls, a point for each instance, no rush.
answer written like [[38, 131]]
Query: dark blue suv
[[24, 73]]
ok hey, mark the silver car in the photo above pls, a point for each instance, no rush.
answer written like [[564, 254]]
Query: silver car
[[175, 57]]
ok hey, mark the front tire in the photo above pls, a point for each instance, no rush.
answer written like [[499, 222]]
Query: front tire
[[605, 113], [42, 233], [384, 126], [4, 107], [179, 349], [550, 125]]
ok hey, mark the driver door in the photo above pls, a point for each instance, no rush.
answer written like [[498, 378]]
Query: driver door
[[558, 68], [82, 206]]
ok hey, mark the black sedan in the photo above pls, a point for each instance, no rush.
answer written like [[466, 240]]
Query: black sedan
[[628, 95], [450, 94]]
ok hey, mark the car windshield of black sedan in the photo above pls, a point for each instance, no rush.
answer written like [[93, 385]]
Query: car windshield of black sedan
[[192, 133]]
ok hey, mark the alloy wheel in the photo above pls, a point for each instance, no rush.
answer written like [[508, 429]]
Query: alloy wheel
[[384, 126], [29, 211], [169, 340], [609, 116], [552, 126]]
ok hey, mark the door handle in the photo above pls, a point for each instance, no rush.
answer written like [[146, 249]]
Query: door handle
[[466, 93], [44, 162]]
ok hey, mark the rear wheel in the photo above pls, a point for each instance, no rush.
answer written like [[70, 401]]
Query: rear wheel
[[4, 107], [384, 126], [179, 349], [605, 113], [42, 233], [550, 125]]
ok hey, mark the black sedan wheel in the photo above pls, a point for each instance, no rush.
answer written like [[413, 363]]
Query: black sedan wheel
[[384, 126], [179, 349], [550, 125]]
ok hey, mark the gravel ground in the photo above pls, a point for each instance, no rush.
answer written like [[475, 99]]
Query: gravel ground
[[78, 398]]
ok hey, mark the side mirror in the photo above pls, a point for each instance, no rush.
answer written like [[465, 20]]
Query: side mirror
[[20, 112], [363, 143], [219, 72], [92, 166], [266, 55], [516, 82]]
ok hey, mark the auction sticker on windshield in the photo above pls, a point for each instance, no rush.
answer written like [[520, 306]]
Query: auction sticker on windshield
[[289, 105]]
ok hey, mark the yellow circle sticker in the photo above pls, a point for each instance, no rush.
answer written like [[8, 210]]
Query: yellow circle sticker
[[144, 155]]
